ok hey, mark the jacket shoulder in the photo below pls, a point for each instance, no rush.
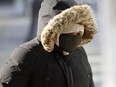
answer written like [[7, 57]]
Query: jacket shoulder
[[18, 67], [32, 46], [26, 51], [82, 50]]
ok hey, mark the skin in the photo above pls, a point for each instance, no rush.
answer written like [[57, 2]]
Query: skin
[[75, 33]]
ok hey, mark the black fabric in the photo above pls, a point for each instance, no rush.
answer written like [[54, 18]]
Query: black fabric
[[77, 68], [31, 66], [68, 2], [69, 73], [78, 71], [61, 6], [65, 66], [69, 42]]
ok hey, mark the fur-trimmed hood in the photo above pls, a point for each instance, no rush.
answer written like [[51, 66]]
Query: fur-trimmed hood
[[50, 25], [78, 14], [49, 8]]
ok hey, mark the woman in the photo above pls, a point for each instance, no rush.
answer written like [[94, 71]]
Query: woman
[[55, 58]]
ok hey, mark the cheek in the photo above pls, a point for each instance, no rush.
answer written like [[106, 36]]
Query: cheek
[[69, 39], [76, 40]]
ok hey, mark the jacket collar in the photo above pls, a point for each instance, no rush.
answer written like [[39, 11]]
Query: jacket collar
[[58, 49]]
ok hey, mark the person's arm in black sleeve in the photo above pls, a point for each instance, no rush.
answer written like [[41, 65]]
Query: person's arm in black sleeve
[[91, 82], [16, 72]]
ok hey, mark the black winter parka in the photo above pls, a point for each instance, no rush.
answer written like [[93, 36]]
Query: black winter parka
[[31, 66]]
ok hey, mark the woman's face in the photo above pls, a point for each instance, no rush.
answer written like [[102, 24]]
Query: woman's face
[[74, 33], [69, 41]]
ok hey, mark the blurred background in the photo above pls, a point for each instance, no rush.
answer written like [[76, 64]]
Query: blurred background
[[18, 24]]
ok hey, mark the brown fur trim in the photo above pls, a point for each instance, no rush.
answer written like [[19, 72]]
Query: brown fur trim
[[79, 14]]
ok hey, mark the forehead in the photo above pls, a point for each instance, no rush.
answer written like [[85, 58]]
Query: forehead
[[73, 33]]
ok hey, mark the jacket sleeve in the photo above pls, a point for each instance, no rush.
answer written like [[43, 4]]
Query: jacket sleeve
[[87, 66], [16, 71], [91, 82]]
